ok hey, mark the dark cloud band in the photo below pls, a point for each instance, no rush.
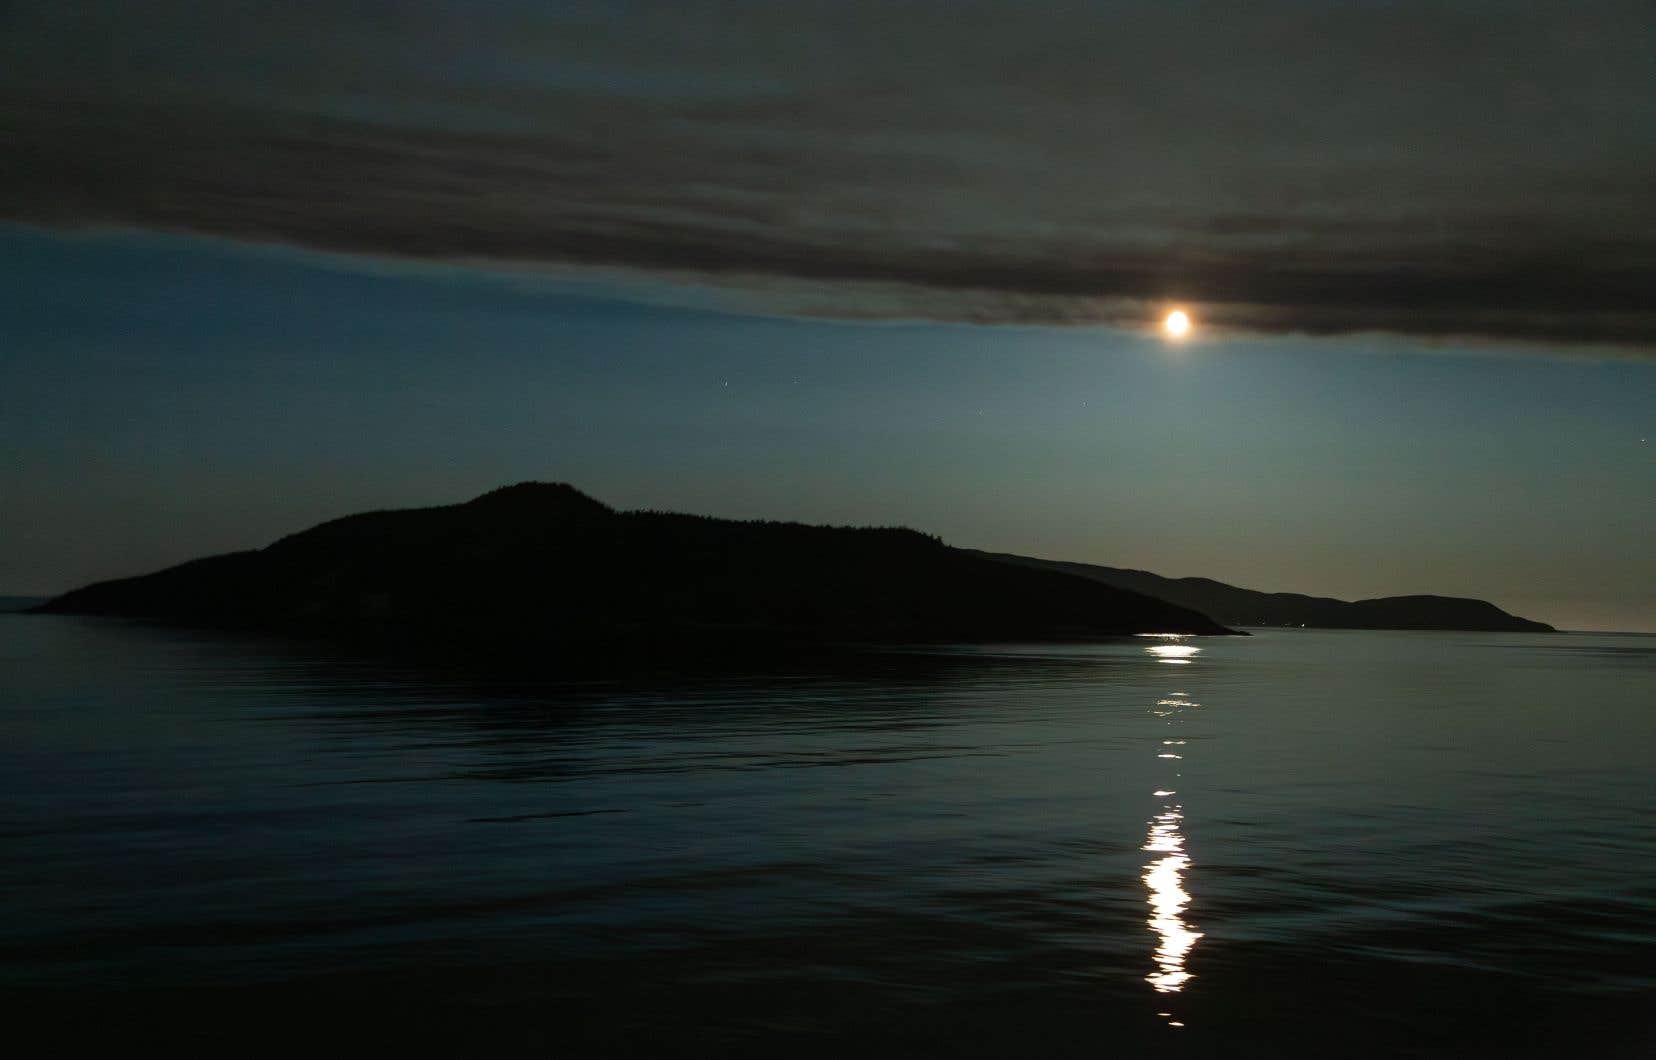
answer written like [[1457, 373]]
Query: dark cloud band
[[995, 173]]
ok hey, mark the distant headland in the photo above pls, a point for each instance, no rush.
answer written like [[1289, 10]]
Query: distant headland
[[1247, 607], [543, 568]]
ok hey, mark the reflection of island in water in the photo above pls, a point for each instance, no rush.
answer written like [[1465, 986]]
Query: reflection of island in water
[[1164, 874]]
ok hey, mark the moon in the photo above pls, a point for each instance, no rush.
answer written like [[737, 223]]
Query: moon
[[1177, 324]]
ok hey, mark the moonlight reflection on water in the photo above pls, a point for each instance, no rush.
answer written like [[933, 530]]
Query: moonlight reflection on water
[[1164, 875]]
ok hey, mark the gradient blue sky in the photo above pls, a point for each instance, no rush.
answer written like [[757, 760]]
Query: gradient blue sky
[[162, 397]]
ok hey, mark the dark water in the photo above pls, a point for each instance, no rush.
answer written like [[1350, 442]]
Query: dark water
[[1301, 843]]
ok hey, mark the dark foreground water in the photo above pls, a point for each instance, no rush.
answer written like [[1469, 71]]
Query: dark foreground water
[[1300, 843]]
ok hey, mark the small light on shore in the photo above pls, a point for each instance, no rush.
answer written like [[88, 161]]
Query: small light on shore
[[1177, 324]]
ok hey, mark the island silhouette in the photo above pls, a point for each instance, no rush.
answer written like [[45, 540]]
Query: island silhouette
[[544, 569]]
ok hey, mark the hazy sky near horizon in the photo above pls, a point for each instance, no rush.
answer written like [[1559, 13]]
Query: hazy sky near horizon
[[849, 262]]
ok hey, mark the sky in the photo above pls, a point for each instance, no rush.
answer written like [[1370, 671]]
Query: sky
[[266, 264]]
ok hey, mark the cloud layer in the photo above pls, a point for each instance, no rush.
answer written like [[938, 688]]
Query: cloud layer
[[1477, 170]]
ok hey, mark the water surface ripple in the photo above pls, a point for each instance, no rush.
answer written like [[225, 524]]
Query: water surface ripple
[[1298, 843]]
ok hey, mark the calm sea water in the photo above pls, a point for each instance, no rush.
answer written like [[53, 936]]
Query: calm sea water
[[1298, 843]]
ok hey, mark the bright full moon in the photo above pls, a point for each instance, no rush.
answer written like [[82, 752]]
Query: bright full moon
[[1177, 324]]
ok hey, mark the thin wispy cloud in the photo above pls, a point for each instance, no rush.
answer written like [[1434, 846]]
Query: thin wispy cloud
[[1477, 170]]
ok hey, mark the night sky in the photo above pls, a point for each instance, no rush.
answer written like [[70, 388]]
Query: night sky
[[266, 264]]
